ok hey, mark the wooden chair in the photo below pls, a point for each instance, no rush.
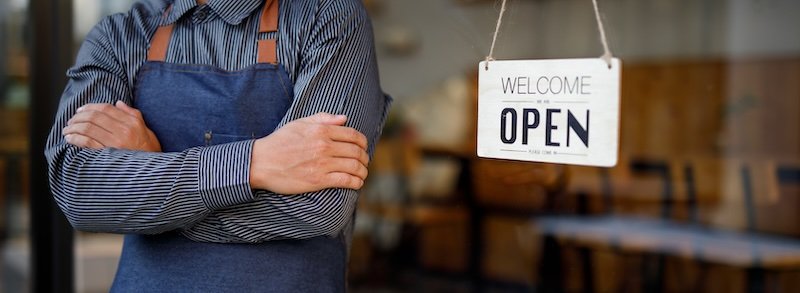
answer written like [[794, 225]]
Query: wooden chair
[[664, 236]]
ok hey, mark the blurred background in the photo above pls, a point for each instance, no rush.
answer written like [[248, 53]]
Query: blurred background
[[705, 198]]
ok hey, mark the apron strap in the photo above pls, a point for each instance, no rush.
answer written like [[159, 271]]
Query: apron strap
[[267, 49]]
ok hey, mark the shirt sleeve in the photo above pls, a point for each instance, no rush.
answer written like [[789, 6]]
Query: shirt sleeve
[[121, 191], [338, 75]]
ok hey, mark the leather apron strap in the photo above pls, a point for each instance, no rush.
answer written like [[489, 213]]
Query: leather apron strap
[[267, 49]]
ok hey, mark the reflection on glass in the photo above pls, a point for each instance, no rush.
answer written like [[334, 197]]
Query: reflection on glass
[[710, 151], [14, 194]]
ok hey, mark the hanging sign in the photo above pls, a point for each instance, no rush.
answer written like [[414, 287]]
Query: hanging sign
[[555, 111]]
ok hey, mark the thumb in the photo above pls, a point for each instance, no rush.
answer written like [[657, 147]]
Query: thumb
[[127, 109], [326, 118]]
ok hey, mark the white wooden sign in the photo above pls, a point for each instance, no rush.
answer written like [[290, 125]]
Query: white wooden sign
[[555, 111]]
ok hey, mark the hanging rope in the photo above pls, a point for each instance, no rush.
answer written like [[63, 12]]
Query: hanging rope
[[496, 31], [606, 52], [607, 55]]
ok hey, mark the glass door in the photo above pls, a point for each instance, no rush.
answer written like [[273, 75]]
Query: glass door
[[14, 142]]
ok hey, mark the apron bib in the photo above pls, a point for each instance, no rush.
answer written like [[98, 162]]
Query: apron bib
[[199, 105]]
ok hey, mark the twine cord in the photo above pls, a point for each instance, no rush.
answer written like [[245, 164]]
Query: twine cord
[[607, 56], [496, 31]]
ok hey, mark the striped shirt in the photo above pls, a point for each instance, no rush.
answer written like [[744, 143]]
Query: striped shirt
[[327, 48]]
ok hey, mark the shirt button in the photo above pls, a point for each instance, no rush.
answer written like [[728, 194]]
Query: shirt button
[[200, 15]]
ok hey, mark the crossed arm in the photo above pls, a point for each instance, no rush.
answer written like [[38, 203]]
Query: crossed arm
[[306, 155], [108, 182]]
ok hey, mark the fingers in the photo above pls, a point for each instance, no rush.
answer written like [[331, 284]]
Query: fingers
[[128, 109], [312, 153], [117, 126], [349, 166], [347, 134], [99, 119], [328, 119], [82, 141], [350, 151], [344, 180], [333, 127], [110, 110], [90, 130]]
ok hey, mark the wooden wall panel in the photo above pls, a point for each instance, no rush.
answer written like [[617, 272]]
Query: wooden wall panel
[[746, 108], [671, 109]]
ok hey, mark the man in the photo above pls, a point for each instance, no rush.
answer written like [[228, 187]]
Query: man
[[182, 126]]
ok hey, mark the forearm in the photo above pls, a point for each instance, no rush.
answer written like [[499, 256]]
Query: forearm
[[121, 191], [277, 217]]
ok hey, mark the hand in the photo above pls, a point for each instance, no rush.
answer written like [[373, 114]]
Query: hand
[[119, 126], [310, 154]]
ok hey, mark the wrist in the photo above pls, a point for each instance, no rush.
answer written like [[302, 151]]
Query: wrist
[[224, 173], [259, 177]]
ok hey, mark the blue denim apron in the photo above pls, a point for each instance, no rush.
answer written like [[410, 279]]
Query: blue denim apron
[[198, 105]]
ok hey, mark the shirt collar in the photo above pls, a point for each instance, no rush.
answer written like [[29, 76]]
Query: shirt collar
[[231, 11]]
